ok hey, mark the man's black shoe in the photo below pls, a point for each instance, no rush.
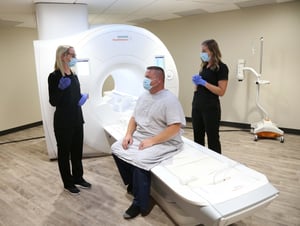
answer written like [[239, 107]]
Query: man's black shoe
[[83, 184], [131, 212], [73, 190], [145, 212]]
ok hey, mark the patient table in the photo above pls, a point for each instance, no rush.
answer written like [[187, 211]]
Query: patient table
[[200, 187]]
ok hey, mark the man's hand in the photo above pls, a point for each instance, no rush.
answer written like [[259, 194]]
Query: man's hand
[[146, 144], [127, 141]]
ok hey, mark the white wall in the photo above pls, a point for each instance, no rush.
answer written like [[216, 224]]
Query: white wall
[[238, 33], [19, 100]]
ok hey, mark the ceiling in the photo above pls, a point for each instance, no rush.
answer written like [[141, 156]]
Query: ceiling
[[21, 13]]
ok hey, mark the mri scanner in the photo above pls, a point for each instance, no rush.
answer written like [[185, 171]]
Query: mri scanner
[[196, 186], [116, 53]]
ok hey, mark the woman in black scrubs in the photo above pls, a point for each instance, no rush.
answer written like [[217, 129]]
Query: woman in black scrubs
[[210, 83], [65, 96]]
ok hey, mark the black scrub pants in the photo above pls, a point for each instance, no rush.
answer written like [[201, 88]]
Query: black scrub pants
[[70, 147], [140, 180], [206, 119]]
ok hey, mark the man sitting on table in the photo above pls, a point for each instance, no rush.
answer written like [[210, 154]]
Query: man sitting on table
[[153, 135]]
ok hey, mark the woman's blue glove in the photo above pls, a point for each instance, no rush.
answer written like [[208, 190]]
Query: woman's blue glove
[[64, 83], [83, 99], [198, 80]]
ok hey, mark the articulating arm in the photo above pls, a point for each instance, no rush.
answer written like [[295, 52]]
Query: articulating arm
[[240, 77]]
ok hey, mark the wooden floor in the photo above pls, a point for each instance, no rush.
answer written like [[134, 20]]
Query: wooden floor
[[31, 192]]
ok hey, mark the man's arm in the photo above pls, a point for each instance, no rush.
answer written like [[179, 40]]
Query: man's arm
[[130, 129], [164, 136]]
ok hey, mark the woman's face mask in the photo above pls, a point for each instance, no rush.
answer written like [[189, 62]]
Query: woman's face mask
[[73, 62], [147, 83], [204, 56]]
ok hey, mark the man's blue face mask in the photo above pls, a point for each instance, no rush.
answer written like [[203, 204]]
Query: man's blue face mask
[[146, 83], [204, 56]]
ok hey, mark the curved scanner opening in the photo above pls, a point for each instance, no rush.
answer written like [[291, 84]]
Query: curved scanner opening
[[113, 92], [111, 69]]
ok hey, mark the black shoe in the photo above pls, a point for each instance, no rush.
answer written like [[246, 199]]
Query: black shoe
[[129, 189], [132, 212], [73, 190], [83, 184], [145, 213]]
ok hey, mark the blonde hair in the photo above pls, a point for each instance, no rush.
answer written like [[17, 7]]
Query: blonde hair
[[60, 51]]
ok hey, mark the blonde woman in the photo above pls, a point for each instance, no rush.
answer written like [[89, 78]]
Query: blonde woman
[[65, 96]]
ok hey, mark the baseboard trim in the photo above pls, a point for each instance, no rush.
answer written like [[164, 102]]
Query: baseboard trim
[[19, 128], [247, 126], [188, 119]]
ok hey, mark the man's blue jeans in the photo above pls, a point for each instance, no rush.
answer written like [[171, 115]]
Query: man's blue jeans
[[140, 180]]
